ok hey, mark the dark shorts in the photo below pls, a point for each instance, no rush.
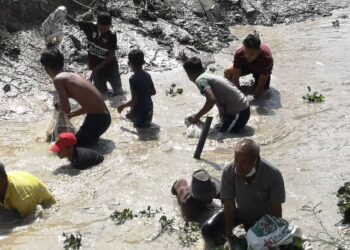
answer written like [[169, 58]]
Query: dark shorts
[[213, 230], [92, 128], [141, 119], [113, 77], [235, 123], [246, 71]]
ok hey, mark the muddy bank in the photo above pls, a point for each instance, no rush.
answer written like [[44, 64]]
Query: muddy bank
[[168, 32]]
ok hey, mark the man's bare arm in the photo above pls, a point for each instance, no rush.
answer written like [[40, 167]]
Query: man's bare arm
[[236, 74], [276, 210], [79, 111], [230, 216], [261, 85], [62, 94]]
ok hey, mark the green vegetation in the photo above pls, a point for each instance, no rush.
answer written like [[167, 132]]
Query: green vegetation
[[121, 217], [167, 225], [149, 212], [173, 91], [189, 234], [72, 241], [343, 195], [339, 241], [313, 97]]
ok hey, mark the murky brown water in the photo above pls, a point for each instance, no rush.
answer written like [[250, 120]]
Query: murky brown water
[[308, 142]]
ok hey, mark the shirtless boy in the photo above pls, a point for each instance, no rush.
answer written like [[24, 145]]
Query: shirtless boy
[[71, 85]]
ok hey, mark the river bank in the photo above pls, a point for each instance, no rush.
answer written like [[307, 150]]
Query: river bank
[[309, 143]]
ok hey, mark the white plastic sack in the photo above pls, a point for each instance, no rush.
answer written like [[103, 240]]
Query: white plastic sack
[[270, 232], [193, 130], [52, 27], [59, 124]]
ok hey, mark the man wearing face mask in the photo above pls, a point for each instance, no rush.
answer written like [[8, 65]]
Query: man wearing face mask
[[251, 187], [253, 58]]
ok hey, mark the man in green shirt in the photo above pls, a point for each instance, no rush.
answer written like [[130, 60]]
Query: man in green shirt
[[22, 191]]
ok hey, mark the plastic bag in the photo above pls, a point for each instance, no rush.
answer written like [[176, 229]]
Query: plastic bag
[[59, 124], [52, 27], [269, 232]]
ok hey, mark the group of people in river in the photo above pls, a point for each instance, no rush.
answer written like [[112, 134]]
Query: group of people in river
[[250, 186]]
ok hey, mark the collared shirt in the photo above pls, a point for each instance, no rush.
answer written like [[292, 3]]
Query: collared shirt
[[99, 45], [255, 199], [24, 192], [230, 100]]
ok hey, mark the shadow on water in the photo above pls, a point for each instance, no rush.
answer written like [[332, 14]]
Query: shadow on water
[[269, 100], [145, 134], [247, 131], [103, 146], [10, 219], [115, 101], [212, 164], [66, 170]]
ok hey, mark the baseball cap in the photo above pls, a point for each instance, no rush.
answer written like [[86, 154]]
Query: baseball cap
[[64, 140]]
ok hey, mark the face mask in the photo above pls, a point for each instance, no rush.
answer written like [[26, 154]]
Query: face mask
[[251, 173]]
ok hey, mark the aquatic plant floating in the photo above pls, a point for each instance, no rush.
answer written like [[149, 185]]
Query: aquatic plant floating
[[313, 97], [123, 216], [72, 241], [343, 195], [173, 91]]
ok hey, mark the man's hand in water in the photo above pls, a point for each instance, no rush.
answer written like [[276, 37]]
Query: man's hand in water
[[193, 119]]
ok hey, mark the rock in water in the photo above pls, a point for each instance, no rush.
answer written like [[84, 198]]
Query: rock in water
[[6, 88]]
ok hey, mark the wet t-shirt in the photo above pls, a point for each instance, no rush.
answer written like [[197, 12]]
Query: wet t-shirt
[[24, 192], [99, 45], [253, 200], [230, 100], [141, 85], [263, 64], [85, 158]]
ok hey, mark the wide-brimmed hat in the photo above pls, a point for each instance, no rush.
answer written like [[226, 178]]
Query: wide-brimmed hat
[[203, 186]]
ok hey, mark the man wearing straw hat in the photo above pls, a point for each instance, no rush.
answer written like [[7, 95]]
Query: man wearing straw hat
[[196, 200]]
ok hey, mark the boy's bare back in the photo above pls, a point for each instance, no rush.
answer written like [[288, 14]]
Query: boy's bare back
[[72, 85]]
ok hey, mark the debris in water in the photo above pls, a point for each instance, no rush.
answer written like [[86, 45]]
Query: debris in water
[[121, 217], [335, 23], [172, 91], [189, 234], [314, 97], [166, 224], [6, 88], [149, 212], [72, 241], [343, 195]]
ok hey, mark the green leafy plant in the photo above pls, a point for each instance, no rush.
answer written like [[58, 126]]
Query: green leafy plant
[[173, 91], [313, 97], [189, 234], [123, 216], [167, 225], [72, 241], [339, 242], [149, 212], [343, 195]]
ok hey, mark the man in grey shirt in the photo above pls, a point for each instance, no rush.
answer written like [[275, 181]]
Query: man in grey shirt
[[232, 104], [251, 187]]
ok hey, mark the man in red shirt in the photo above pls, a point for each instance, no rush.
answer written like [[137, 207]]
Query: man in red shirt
[[102, 44], [253, 58]]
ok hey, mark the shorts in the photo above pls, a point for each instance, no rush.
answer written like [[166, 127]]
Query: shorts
[[92, 128], [256, 76], [141, 119], [113, 77], [235, 123]]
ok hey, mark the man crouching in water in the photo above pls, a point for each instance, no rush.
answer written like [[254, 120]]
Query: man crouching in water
[[71, 85]]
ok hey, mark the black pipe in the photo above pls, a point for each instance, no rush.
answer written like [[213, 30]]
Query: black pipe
[[203, 137]]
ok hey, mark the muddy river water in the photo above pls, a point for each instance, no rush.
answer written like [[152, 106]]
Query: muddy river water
[[309, 143]]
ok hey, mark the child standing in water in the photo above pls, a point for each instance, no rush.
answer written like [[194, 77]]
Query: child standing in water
[[142, 89]]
